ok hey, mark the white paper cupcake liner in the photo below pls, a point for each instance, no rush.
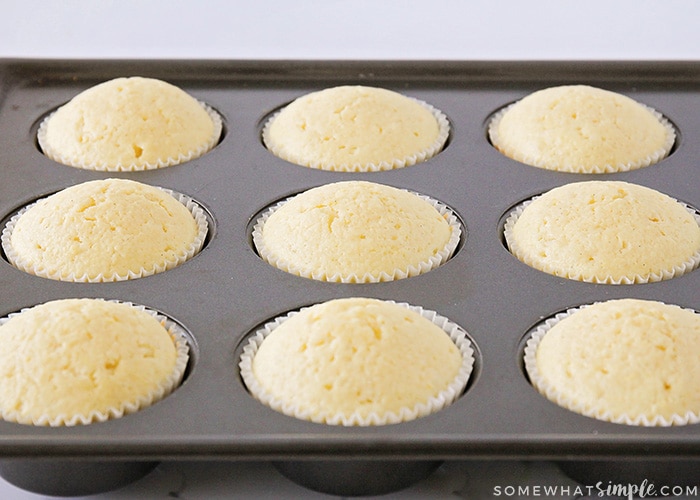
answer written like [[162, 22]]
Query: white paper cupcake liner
[[685, 267], [552, 394], [432, 262], [164, 389], [74, 161], [433, 405], [407, 161], [536, 161], [192, 249]]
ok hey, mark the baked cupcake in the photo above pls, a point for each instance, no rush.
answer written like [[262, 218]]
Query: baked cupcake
[[606, 232], [129, 124], [358, 362], [357, 232], [356, 129], [105, 230], [581, 129], [629, 361], [80, 361]]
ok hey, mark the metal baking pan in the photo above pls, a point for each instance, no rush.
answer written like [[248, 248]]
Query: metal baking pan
[[226, 291]]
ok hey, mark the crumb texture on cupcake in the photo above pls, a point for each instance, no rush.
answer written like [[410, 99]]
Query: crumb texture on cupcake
[[65, 361], [356, 231], [356, 128], [582, 129], [103, 230], [130, 123], [349, 359], [626, 360], [606, 232]]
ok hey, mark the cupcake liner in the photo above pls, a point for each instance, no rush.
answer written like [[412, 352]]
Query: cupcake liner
[[414, 270], [535, 161], [418, 157], [678, 270], [433, 405], [76, 162], [167, 386], [20, 263], [552, 394]]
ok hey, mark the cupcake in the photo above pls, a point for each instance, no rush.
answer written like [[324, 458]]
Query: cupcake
[[628, 361], [358, 362], [129, 124], [105, 230], [605, 232], [80, 361], [356, 129], [357, 232], [581, 129]]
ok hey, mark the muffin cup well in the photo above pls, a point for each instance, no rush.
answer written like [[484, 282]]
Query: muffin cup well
[[414, 270], [71, 477], [407, 161], [193, 248], [204, 148], [353, 478], [166, 387], [434, 404], [551, 393], [534, 161], [685, 267]]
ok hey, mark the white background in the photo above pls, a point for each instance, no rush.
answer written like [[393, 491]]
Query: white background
[[359, 29]]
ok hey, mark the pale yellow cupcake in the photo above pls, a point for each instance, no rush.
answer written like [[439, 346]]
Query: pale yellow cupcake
[[358, 361], [357, 232], [129, 124], [81, 361], [628, 361], [105, 230], [356, 129], [582, 129], [606, 232]]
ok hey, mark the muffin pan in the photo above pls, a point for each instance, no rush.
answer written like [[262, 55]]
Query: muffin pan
[[226, 291]]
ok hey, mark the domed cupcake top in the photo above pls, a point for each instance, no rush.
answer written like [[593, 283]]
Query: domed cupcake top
[[605, 232], [356, 129], [583, 129], [356, 231], [358, 361], [127, 124], [628, 361], [104, 230], [73, 361]]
